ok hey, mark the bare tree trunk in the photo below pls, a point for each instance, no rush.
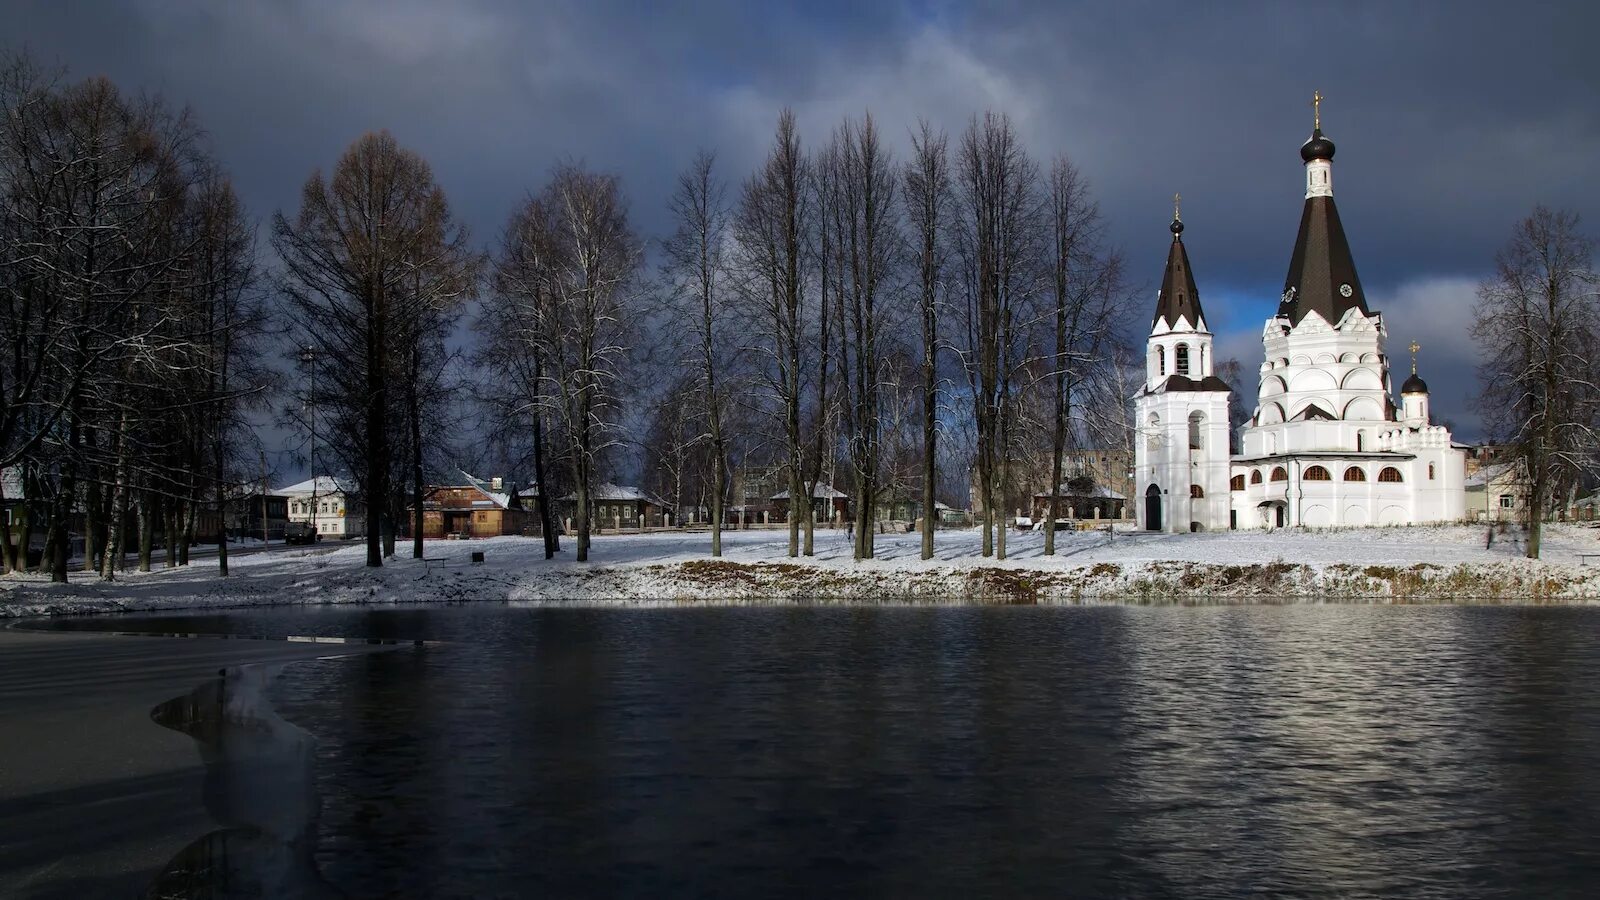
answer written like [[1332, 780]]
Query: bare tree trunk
[[119, 505], [175, 557], [547, 523], [581, 514], [186, 527], [414, 411], [146, 529]]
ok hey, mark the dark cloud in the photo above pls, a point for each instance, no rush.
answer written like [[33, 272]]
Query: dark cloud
[[1452, 119]]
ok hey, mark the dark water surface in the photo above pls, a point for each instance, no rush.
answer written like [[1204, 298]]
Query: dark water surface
[[1324, 751]]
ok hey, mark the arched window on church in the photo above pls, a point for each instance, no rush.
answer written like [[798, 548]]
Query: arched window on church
[[1279, 473], [1355, 473], [1161, 360], [1255, 477], [1390, 475], [1236, 483], [1196, 419], [1196, 492], [1430, 471], [1180, 359], [1361, 442], [1316, 473]]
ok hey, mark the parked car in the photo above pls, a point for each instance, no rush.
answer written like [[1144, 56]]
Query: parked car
[[301, 533]]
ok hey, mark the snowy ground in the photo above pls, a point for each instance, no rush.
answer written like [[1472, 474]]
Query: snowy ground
[[1425, 563]]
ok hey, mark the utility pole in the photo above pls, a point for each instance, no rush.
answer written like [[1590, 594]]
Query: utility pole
[[308, 356]]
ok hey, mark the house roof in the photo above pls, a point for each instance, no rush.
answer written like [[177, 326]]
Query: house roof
[[500, 498], [1100, 492], [321, 484], [1492, 473], [819, 492], [621, 492]]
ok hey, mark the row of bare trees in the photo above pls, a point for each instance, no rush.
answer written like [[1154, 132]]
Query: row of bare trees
[[821, 316], [796, 299], [130, 321]]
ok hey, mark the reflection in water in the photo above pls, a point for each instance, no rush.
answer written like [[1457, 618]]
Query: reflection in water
[[1320, 751], [258, 783]]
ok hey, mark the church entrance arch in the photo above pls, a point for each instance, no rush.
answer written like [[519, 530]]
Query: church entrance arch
[[1152, 508]]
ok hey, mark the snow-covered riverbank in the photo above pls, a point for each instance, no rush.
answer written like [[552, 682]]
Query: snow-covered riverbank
[[1407, 564]]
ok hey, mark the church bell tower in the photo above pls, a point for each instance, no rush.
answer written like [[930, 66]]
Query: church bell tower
[[1181, 451]]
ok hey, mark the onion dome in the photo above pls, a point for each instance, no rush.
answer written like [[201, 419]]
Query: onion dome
[[1414, 385], [1316, 147]]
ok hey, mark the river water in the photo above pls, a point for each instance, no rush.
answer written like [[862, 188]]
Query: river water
[[1318, 751]]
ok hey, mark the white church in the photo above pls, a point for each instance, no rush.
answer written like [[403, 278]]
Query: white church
[[1327, 445]]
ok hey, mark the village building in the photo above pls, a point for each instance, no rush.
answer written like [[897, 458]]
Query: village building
[[322, 502], [1327, 444], [619, 506], [1497, 492], [827, 504], [251, 512], [1080, 500], [473, 509]]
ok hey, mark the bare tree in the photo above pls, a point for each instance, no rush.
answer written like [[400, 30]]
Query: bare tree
[[516, 411], [351, 259], [997, 226], [570, 265], [770, 225], [234, 320], [868, 238], [94, 273], [1232, 371], [1087, 306], [927, 200], [1537, 322], [696, 266], [442, 275]]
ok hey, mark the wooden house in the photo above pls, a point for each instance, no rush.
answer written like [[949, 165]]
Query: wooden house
[[476, 508], [827, 504], [623, 506]]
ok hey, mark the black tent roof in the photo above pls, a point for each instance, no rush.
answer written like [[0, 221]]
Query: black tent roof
[[1322, 272], [1179, 299]]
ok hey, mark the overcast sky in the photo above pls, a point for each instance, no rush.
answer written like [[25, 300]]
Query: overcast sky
[[1452, 119]]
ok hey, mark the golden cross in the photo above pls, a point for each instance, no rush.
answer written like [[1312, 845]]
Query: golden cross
[[1177, 199], [1316, 109], [1414, 348]]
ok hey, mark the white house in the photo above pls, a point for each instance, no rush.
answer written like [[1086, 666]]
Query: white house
[[1327, 444], [322, 501]]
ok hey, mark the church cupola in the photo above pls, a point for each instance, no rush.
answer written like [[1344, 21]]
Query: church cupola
[[1414, 395], [1322, 272], [1180, 346], [1178, 304]]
